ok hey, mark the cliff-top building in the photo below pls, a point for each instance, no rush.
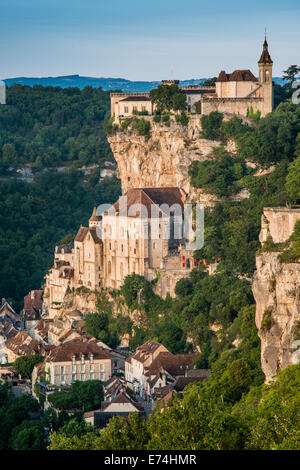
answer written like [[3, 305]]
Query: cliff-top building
[[235, 93]]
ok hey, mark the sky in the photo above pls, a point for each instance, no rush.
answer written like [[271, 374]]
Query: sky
[[144, 39]]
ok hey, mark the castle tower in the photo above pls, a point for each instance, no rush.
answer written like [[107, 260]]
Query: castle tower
[[265, 66], [94, 221]]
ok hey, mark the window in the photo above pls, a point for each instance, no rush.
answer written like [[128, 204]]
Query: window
[[62, 379], [82, 369], [73, 369], [91, 359], [101, 366], [62, 370], [82, 359], [125, 109], [91, 376], [102, 377], [82, 377], [92, 368], [73, 377]]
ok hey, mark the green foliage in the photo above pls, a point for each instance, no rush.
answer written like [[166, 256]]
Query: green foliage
[[267, 320], [218, 177], [210, 82], [97, 325], [232, 228], [273, 138], [82, 395], [182, 119], [211, 125], [13, 413], [29, 435], [168, 98], [50, 126], [24, 365], [292, 254], [292, 184]]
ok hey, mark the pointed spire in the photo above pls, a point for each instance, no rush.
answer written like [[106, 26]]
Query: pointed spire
[[94, 217], [265, 57]]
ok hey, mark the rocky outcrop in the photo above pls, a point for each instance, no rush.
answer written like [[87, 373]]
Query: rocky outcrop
[[278, 223], [163, 159], [276, 289]]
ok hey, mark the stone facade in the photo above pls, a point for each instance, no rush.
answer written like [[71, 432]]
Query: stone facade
[[235, 93], [77, 360], [136, 235]]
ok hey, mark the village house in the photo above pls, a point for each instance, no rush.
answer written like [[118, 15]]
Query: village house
[[121, 405], [32, 310], [22, 344], [152, 366], [77, 360]]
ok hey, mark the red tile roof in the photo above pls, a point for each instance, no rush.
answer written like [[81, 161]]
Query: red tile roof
[[77, 348]]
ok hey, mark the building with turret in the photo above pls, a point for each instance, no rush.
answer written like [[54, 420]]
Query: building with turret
[[238, 92]]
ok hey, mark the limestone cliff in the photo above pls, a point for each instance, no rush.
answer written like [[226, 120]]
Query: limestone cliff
[[276, 288], [163, 159]]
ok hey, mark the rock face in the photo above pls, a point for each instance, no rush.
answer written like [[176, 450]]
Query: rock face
[[278, 223], [276, 289], [163, 159]]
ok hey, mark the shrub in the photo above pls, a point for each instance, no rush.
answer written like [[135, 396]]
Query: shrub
[[267, 321], [182, 119], [211, 124]]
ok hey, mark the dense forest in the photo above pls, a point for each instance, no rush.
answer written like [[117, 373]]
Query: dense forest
[[44, 128], [52, 126]]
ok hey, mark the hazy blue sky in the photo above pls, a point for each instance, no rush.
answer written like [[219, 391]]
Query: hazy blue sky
[[144, 40]]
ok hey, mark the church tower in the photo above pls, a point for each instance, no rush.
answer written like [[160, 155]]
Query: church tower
[[265, 66], [94, 221]]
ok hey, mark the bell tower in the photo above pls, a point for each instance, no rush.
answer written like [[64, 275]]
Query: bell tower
[[265, 66]]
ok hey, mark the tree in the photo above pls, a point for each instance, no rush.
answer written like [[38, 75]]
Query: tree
[[210, 82], [168, 98], [84, 396], [292, 184], [291, 73], [29, 435], [211, 124], [95, 323], [24, 365]]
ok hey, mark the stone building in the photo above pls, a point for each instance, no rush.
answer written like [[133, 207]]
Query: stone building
[[235, 93], [77, 360], [141, 233]]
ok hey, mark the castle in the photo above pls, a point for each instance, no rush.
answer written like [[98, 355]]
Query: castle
[[142, 232], [234, 93]]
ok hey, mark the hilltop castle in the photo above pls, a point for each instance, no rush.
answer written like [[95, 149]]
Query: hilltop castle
[[138, 233], [235, 93]]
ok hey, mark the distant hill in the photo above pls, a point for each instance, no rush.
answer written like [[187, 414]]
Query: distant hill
[[105, 83]]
